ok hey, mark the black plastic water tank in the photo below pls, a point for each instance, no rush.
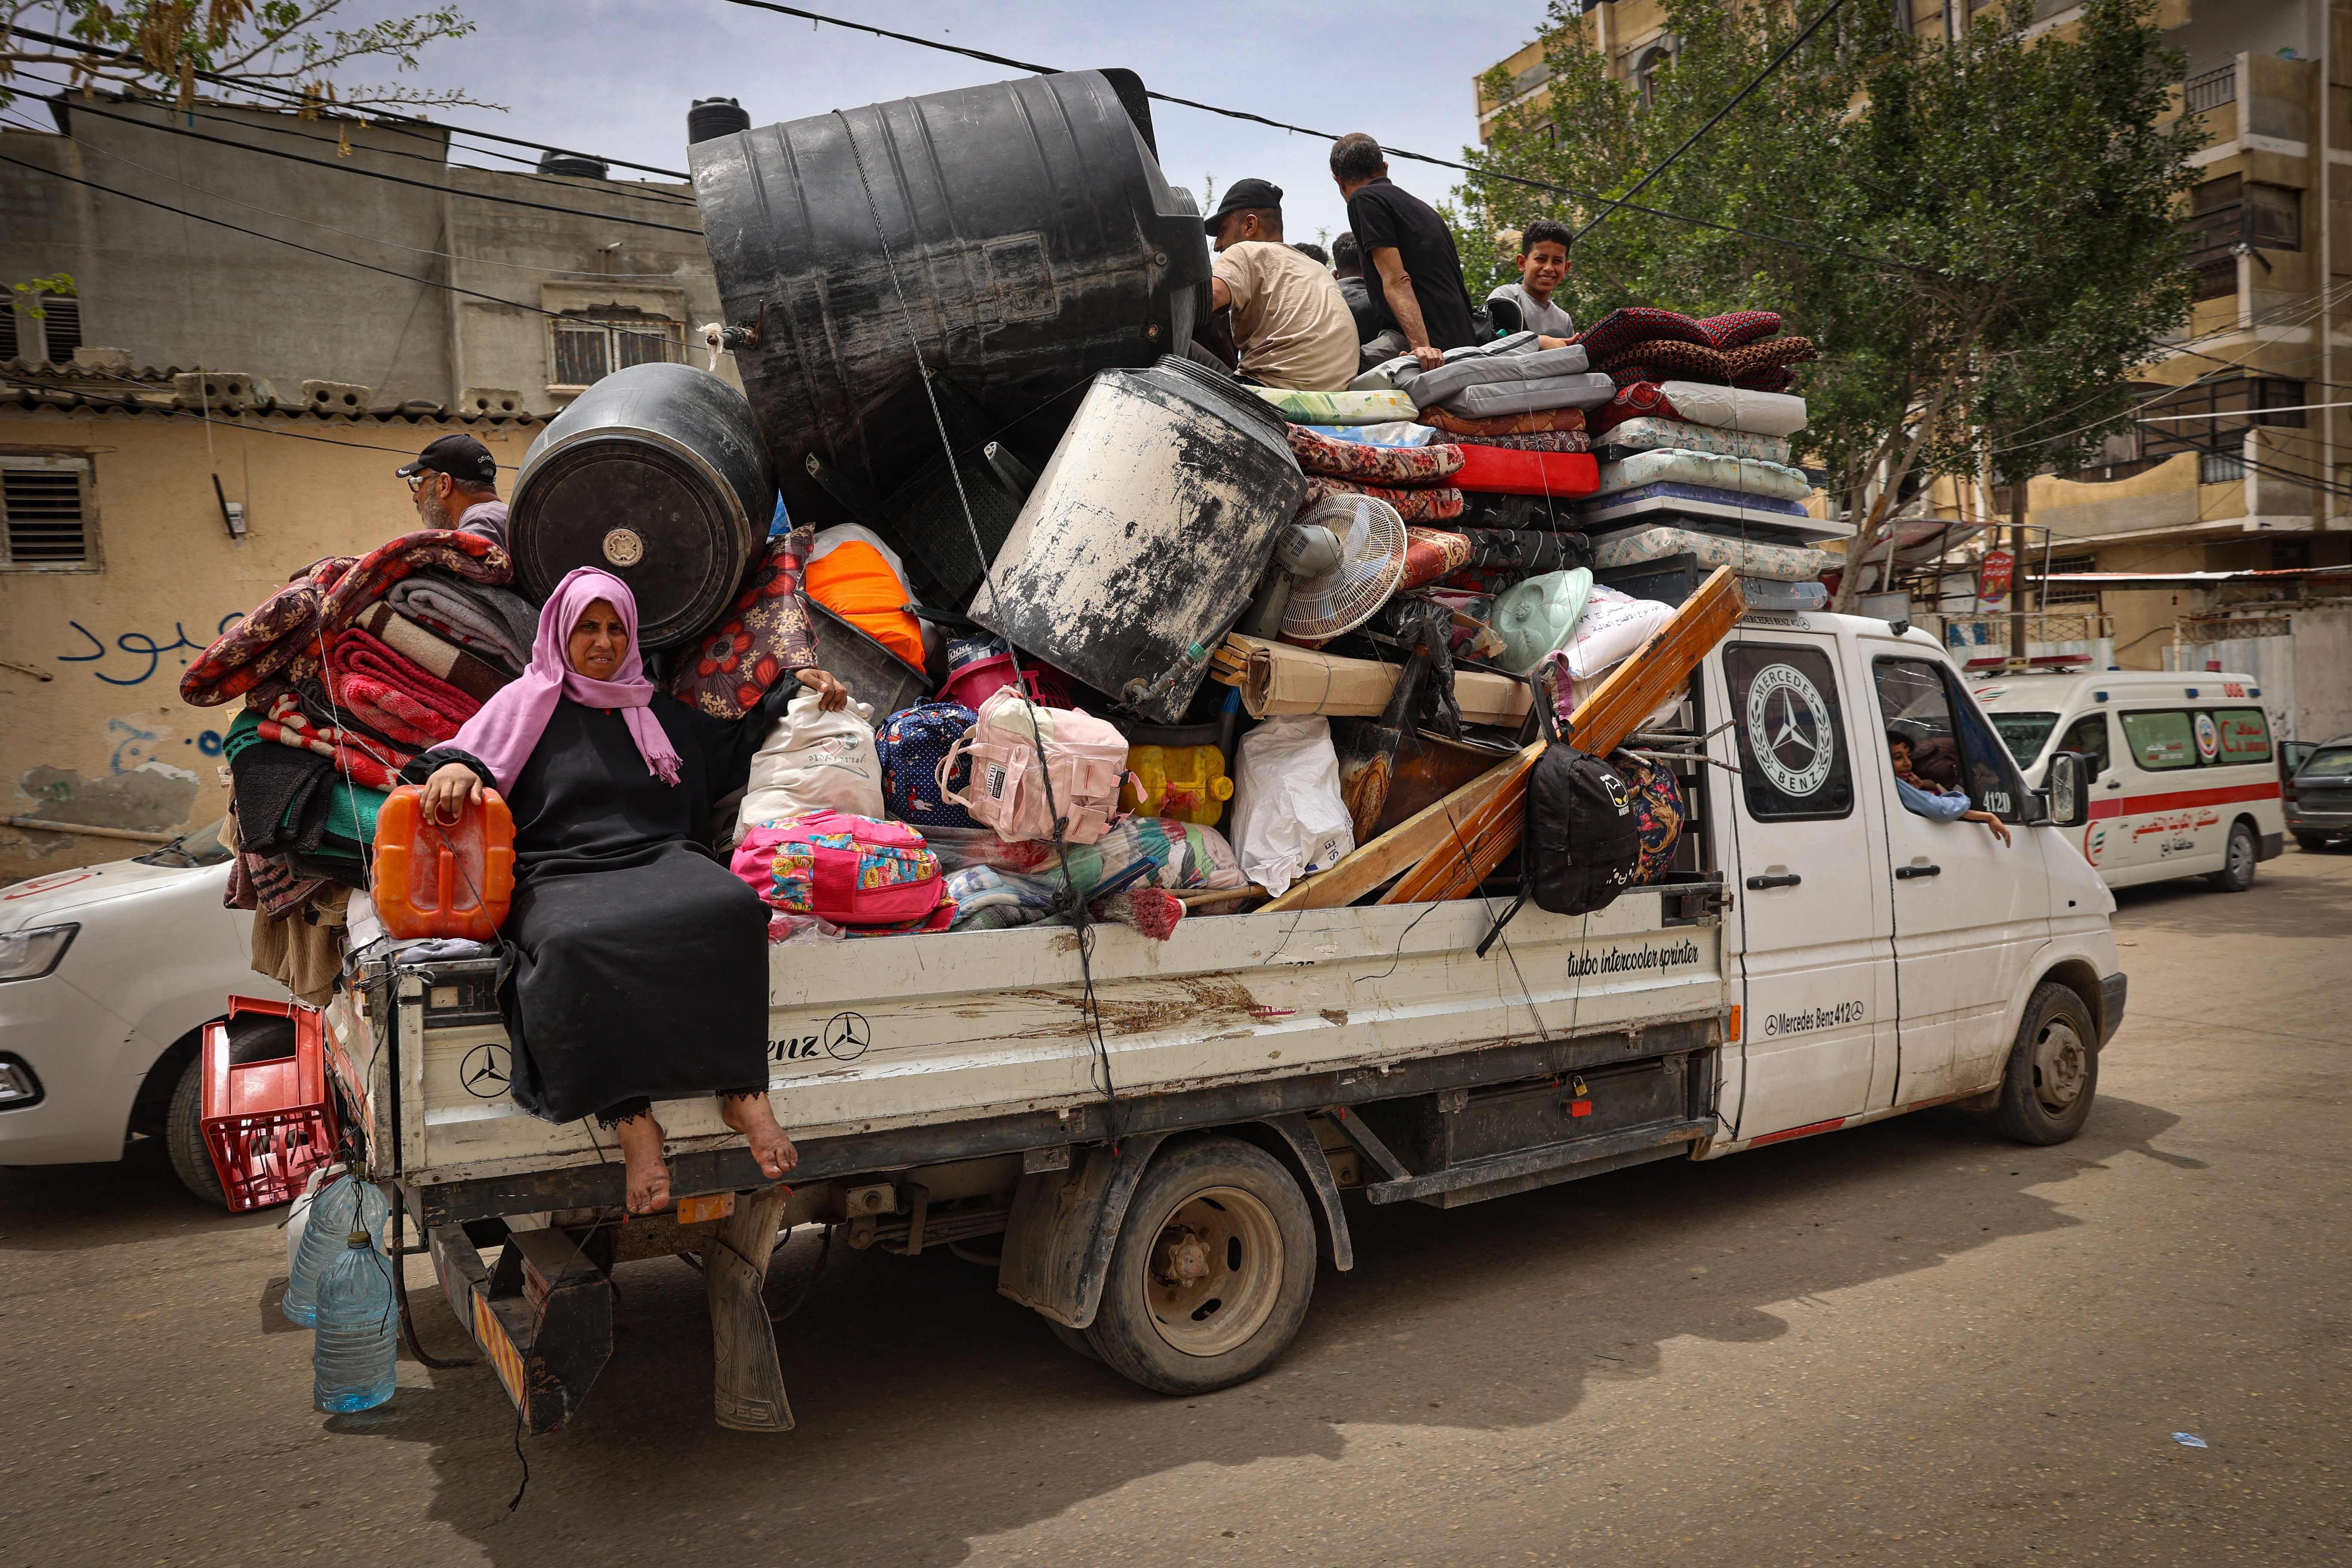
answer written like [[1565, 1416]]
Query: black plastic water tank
[[657, 475], [573, 163], [707, 118], [1034, 235]]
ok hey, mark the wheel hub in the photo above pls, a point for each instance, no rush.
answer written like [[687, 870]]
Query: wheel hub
[[2061, 1064], [1214, 1271]]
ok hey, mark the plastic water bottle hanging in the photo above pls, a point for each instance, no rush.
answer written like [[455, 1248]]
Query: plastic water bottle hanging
[[357, 1345]]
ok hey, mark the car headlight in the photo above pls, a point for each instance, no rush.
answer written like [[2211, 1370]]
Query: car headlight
[[29, 954]]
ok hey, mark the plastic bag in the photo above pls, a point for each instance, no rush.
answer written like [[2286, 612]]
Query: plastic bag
[[1612, 626], [1289, 820], [815, 761]]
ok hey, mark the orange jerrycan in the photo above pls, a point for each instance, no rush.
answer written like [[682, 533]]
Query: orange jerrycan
[[435, 879]]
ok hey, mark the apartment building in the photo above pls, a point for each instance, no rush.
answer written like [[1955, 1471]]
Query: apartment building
[[2204, 537], [210, 409]]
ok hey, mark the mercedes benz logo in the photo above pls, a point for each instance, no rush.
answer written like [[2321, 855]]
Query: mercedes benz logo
[[485, 1070], [1789, 729], [847, 1036]]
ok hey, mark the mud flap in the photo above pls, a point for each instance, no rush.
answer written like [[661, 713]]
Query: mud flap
[[1064, 1227]]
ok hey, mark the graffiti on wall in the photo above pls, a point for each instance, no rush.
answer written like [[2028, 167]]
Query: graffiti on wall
[[143, 654]]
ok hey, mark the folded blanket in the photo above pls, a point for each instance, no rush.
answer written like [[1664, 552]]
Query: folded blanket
[[391, 694], [1619, 330], [1717, 407], [1736, 327], [1338, 407], [1667, 359], [1541, 420], [285, 630], [1405, 465], [436, 655], [1534, 441], [1649, 433], [1530, 397], [1673, 466], [495, 622], [1438, 503], [765, 635], [1749, 557], [360, 757], [279, 789]]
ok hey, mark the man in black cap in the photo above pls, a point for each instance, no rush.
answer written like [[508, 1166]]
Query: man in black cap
[[454, 483], [1290, 324]]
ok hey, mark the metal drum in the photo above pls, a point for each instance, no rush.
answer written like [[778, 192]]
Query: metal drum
[[657, 475]]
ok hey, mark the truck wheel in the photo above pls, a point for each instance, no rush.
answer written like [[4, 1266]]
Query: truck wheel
[[1213, 1271], [2053, 1069], [2237, 873], [256, 1038]]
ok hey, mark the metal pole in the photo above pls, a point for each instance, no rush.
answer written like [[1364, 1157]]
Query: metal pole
[[2017, 571]]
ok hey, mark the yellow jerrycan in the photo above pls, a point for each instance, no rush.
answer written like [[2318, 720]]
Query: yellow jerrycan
[[1186, 783]]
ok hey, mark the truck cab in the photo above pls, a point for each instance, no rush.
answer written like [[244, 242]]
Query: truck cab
[[2185, 780]]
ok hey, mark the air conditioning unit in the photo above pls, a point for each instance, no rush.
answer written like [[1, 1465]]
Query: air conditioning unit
[[335, 398], [222, 390]]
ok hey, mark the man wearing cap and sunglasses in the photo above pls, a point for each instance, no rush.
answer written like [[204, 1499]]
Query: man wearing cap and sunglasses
[[1291, 324], [454, 483]]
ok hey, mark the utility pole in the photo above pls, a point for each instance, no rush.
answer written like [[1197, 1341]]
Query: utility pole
[[2017, 573]]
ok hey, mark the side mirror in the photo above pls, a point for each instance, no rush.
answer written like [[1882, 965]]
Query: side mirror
[[2064, 780]]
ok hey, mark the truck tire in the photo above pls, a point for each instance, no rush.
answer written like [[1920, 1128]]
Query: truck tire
[[1071, 1339], [2053, 1069], [256, 1038], [2237, 862], [1212, 1274]]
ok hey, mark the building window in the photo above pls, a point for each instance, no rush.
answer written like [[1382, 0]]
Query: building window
[[2229, 214], [45, 504], [2212, 417], [2220, 467], [1653, 63], [53, 335], [588, 345], [2056, 592]]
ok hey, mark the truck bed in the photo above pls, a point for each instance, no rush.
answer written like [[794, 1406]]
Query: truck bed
[[888, 1050]]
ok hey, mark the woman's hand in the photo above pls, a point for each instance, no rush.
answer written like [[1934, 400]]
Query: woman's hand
[[832, 696], [453, 787]]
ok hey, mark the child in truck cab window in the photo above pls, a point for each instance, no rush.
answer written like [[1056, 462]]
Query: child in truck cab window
[[1924, 797]]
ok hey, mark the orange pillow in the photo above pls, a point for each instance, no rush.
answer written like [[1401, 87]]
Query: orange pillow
[[853, 580]]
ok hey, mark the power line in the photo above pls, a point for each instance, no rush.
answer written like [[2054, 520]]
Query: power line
[[328, 255], [1691, 140], [308, 100], [347, 234], [1244, 114], [355, 169]]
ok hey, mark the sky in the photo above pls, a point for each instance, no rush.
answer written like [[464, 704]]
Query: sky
[[616, 79]]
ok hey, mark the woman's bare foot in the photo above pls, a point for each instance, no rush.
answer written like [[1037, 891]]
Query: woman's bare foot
[[641, 1145], [751, 1116]]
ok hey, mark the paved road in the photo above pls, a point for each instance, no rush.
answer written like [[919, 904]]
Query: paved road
[[1906, 1345]]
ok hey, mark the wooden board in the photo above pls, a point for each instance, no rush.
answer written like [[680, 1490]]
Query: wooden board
[[1659, 666]]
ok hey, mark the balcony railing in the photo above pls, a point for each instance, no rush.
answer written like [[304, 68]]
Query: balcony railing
[[2211, 89]]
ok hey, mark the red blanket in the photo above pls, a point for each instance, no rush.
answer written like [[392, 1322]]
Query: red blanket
[[389, 693], [283, 633], [362, 760]]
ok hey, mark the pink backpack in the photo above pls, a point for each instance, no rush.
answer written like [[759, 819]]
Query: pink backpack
[[1084, 756], [854, 871]]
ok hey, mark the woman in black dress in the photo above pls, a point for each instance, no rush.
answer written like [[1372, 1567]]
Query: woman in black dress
[[638, 964]]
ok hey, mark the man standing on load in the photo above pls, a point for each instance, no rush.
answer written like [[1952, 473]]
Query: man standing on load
[[1417, 269], [1291, 325]]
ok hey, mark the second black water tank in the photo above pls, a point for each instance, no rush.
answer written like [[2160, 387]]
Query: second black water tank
[[707, 118], [656, 475], [1036, 239]]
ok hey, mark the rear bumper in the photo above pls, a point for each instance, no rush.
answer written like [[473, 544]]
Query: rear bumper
[[2112, 991]]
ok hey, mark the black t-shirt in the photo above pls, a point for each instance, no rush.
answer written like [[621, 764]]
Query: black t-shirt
[[1384, 217]]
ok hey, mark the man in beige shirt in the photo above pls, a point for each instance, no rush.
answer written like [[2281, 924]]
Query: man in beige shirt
[[1291, 324]]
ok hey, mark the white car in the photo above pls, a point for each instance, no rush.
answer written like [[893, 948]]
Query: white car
[[108, 975]]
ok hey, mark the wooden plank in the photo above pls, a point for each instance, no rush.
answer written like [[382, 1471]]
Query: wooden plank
[[1659, 666], [1407, 843]]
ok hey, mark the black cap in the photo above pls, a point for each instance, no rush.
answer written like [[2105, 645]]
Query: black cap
[[459, 456], [1242, 195]]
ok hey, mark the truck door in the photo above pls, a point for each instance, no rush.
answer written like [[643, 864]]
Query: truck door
[[1968, 913], [1816, 962]]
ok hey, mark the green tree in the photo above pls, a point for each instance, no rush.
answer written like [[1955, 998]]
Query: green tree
[[164, 45], [1977, 236]]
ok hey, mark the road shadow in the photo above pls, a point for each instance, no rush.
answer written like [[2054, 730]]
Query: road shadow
[[123, 1202], [935, 1414], [2297, 895]]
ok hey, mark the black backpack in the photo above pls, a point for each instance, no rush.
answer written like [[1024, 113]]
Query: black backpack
[[1579, 842]]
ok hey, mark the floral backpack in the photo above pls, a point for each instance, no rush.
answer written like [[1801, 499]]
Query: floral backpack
[[855, 871]]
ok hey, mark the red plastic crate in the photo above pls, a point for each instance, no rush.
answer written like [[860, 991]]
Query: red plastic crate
[[1503, 470], [268, 1124]]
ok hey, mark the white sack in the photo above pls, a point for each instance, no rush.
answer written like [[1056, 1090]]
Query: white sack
[[815, 761], [1289, 820], [1612, 626]]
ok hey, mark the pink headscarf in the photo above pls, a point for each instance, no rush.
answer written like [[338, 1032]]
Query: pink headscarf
[[507, 729]]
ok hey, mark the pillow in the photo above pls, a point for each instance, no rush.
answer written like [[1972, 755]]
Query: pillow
[[1757, 357], [765, 635], [1619, 330], [1736, 327], [1552, 392]]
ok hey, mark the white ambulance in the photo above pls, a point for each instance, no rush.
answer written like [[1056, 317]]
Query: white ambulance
[[2185, 781]]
